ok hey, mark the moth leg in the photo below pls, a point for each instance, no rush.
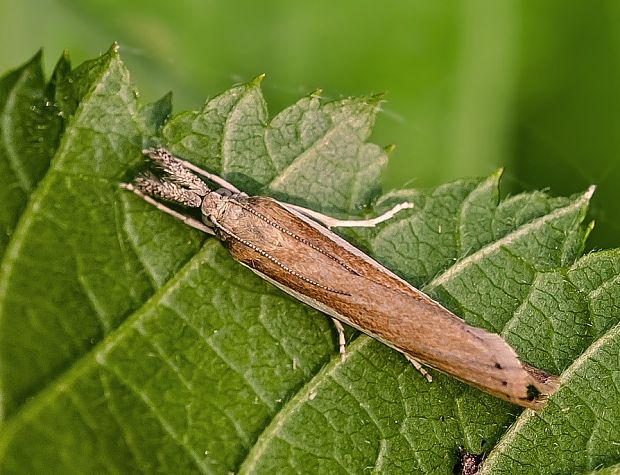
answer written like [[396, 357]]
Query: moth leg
[[330, 222], [341, 339], [417, 365], [194, 223], [157, 153]]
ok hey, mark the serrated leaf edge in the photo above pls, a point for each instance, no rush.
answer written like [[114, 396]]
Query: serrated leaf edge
[[13, 161], [25, 220], [494, 246]]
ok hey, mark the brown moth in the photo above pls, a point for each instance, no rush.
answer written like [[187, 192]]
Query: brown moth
[[294, 249]]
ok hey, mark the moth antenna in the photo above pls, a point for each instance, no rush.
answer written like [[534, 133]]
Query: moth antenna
[[176, 172], [167, 189]]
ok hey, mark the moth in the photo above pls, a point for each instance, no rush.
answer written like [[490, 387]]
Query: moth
[[295, 249]]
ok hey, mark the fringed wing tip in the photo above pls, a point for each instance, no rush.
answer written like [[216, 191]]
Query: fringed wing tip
[[543, 387]]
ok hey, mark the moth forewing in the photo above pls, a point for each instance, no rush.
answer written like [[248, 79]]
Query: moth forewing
[[311, 263], [318, 267]]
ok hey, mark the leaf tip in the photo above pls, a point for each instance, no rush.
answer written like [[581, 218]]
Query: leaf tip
[[589, 228], [389, 148], [589, 192], [35, 60], [115, 47], [37, 56], [257, 80], [377, 98], [316, 93]]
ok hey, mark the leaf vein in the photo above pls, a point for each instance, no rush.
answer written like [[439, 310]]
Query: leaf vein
[[163, 355], [91, 424], [121, 221], [165, 425], [511, 237], [361, 404], [310, 152], [251, 384], [125, 434]]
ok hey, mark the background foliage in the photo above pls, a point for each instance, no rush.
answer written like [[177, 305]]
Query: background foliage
[[472, 85]]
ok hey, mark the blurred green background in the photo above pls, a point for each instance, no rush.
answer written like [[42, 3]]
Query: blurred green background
[[472, 85]]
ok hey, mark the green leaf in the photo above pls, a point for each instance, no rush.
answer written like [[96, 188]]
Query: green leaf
[[130, 343], [68, 276], [614, 470], [30, 124], [232, 136], [580, 423]]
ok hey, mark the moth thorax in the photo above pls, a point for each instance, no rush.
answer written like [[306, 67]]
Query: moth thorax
[[219, 207]]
